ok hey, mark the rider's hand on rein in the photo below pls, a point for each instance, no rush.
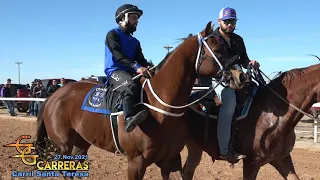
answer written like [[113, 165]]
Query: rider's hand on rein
[[146, 72]]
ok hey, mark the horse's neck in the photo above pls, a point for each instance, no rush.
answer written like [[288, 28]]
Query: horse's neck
[[174, 82], [299, 91]]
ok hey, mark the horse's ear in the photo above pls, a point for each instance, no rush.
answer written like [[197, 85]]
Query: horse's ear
[[209, 29]]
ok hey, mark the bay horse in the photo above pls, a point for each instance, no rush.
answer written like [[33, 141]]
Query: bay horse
[[161, 137], [267, 134]]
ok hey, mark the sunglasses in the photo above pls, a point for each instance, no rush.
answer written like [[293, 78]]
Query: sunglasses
[[230, 21]]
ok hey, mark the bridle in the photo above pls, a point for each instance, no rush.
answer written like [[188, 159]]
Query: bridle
[[223, 73], [201, 56]]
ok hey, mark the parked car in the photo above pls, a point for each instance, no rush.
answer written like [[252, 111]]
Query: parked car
[[16, 87], [22, 106], [19, 90]]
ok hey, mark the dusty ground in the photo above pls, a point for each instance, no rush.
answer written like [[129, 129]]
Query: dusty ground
[[111, 167]]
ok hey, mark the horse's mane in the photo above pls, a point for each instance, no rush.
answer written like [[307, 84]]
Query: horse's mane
[[159, 66], [294, 73]]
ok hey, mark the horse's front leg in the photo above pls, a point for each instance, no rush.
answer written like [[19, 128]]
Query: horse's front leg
[[193, 160], [285, 168], [171, 169], [136, 168], [250, 169]]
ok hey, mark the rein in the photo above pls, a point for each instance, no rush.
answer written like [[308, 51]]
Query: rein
[[286, 101], [167, 105]]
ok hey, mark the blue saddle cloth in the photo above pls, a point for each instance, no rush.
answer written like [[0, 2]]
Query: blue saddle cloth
[[101, 99]]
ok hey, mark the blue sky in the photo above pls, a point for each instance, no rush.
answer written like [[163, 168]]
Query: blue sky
[[63, 38]]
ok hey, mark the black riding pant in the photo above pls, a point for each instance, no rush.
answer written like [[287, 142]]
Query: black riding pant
[[129, 89]]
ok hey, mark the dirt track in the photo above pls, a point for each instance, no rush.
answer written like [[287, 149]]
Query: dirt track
[[111, 167]]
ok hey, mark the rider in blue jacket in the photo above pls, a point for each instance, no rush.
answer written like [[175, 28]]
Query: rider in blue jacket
[[124, 59]]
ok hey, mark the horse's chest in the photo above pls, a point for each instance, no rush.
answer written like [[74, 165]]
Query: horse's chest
[[170, 144], [174, 140]]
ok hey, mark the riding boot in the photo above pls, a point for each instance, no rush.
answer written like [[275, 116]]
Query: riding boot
[[130, 119], [233, 157]]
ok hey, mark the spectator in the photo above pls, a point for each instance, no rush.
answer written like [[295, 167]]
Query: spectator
[[63, 82], [6, 92], [53, 88], [38, 92], [31, 104], [12, 89]]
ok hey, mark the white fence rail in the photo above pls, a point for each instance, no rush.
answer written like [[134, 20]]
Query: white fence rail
[[22, 99], [315, 109]]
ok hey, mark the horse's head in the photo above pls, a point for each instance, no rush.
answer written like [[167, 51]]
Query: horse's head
[[209, 58], [238, 79]]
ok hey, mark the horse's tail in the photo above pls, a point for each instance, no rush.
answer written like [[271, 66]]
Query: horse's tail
[[41, 129]]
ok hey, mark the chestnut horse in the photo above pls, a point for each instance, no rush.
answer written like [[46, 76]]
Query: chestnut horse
[[267, 134], [161, 137]]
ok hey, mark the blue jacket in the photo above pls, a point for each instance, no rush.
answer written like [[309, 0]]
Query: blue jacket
[[5, 92], [122, 52]]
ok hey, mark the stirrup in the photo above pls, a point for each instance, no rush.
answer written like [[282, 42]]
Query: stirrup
[[233, 157], [133, 121]]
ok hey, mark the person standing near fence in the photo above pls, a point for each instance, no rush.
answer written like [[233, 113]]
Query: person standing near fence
[[31, 103], [6, 91], [38, 92], [53, 88]]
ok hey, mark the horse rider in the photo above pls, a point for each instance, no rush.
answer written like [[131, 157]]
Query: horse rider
[[234, 44], [124, 59]]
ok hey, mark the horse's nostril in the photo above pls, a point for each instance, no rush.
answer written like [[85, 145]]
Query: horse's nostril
[[242, 78]]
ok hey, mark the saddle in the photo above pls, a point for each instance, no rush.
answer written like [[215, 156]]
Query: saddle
[[244, 96], [103, 100], [244, 100], [211, 98]]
